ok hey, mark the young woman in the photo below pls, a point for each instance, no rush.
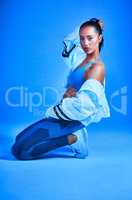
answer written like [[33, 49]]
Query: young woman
[[84, 102]]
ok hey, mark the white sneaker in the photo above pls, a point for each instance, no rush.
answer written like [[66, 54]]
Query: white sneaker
[[80, 147]]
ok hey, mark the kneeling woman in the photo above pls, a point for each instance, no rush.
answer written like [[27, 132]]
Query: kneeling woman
[[84, 102]]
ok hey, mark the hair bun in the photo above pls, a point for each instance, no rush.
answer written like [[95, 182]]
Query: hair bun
[[98, 21]]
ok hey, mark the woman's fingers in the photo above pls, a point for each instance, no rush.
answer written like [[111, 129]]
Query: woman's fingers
[[71, 94], [71, 91]]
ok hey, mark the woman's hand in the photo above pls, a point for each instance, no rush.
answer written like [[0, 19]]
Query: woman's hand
[[70, 92]]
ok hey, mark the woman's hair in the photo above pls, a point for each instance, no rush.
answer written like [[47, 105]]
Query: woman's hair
[[98, 25]]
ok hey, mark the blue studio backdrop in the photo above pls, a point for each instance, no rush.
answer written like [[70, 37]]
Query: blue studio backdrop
[[33, 76], [33, 73]]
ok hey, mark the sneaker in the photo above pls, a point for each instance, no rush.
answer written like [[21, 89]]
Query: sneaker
[[80, 147]]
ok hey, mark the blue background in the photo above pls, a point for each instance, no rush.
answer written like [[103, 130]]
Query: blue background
[[31, 45], [32, 35]]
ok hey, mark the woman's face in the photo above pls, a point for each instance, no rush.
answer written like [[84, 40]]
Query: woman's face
[[89, 39]]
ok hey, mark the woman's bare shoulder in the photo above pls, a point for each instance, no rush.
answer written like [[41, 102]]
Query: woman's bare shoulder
[[99, 63], [96, 70]]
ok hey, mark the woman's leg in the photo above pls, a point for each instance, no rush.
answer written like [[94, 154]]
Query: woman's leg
[[39, 149], [42, 136]]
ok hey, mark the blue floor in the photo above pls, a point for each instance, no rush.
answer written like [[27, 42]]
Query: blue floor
[[105, 174]]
